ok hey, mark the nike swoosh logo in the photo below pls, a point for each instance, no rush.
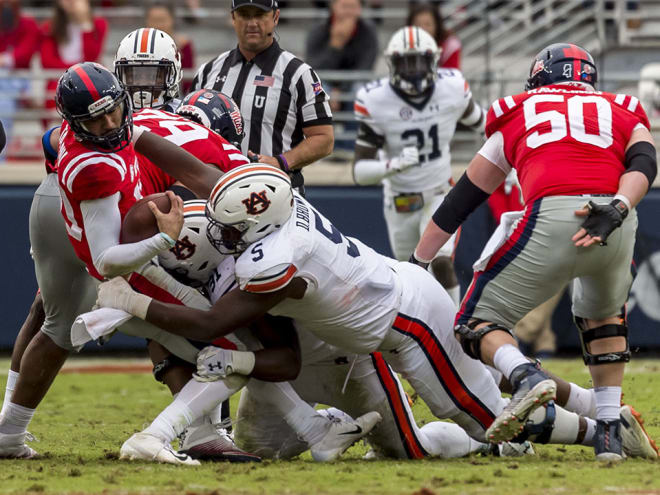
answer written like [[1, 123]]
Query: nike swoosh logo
[[356, 431], [181, 457]]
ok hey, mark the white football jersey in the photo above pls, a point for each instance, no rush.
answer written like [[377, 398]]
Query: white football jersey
[[396, 122], [352, 294]]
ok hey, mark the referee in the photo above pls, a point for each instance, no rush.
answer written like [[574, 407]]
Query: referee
[[288, 121]]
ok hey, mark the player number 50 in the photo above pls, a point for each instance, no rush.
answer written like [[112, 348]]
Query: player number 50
[[575, 114]]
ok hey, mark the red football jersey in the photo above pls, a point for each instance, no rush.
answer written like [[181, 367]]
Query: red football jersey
[[85, 174], [196, 139], [564, 140]]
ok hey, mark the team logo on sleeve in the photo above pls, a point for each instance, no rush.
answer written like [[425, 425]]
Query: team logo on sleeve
[[257, 203], [183, 249]]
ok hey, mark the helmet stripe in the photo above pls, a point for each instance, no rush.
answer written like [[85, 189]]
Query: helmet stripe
[[153, 41], [411, 39], [135, 43], [86, 81], [237, 172], [144, 40], [194, 97]]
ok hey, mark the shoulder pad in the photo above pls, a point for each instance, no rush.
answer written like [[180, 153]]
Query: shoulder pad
[[632, 104], [93, 170], [499, 112]]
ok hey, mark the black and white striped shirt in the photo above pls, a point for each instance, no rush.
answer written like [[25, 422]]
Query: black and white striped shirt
[[278, 95]]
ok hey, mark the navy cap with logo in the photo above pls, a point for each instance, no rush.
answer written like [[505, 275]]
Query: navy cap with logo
[[262, 4]]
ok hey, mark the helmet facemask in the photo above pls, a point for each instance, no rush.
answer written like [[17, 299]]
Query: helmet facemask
[[413, 73], [227, 239], [150, 84]]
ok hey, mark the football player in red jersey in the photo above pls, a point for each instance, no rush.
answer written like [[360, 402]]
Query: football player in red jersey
[[571, 145]]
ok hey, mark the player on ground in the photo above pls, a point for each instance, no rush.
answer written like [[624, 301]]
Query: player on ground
[[409, 118], [333, 286], [571, 146]]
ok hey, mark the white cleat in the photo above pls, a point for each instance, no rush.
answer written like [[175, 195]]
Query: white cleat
[[512, 419], [14, 446], [635, 441], [146, 447], [341, 435], [511, 449], [208, 443]]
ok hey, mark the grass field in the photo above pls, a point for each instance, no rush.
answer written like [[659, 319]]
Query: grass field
[[85, 418]]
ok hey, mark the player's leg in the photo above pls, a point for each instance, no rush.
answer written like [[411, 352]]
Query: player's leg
[[442, 266], [402, 228], [28, 330], [599, 296]]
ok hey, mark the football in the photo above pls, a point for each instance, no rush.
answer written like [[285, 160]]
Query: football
[[139, 223]]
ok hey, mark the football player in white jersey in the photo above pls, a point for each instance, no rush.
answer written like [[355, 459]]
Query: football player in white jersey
[[293, 262], [406, 123]]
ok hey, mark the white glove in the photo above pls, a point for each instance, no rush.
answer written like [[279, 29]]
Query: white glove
[[215, 363], [409, 157], [116, 293]]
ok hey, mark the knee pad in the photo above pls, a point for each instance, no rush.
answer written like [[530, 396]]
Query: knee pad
[[602, 332], [470, 339], [166, 364]]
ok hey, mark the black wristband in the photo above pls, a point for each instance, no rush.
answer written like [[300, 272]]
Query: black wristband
[[462, 200]]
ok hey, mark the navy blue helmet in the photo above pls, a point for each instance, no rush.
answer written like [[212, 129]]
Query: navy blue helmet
[[216, 111], [88, 90], [562, 62]]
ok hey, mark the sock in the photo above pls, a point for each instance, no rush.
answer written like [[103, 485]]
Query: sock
[[447, 440], [608, 402], [588, 439], [195, 399], [309, 425], [12, 378], [15, 419], [455, 294], [507, 358], [581, 401]]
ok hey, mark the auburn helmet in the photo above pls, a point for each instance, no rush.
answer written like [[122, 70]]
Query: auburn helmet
[[86, 91], [246, 204], [148, 63], [215, 110], [412, 56], [562, 62]]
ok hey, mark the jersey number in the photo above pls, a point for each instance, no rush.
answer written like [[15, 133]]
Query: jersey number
[[181, 132], [575, 113], [419, 136], [335, 236]]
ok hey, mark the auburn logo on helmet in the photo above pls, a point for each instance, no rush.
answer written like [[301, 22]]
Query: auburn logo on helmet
[[257, 203], [183, 249]]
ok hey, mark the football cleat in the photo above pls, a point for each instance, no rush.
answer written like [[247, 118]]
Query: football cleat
[[146, 447], [532, 389], [342, 434], [607, 441], [14, 446], [205, 442], [636, 441], [512, 449]]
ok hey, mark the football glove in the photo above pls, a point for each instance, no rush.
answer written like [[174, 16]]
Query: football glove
[[602, 220], [213, 363], [409, 157]]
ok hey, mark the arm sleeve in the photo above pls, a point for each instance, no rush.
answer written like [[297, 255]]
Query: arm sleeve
[[369, 172], [102, 224]]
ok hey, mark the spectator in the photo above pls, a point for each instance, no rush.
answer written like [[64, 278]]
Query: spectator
[[19, 36], [344, 42], [161, 15], [429, 18], [73, 35]]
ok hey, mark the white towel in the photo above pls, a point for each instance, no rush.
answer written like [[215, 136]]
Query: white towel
[[96, 325], [508, 222]]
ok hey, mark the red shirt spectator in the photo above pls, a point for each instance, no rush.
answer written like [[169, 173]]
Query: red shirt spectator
[[19, 36], [429, 18], [72, 36]]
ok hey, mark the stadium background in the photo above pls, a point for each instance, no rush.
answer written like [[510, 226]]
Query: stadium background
[[499, 38]]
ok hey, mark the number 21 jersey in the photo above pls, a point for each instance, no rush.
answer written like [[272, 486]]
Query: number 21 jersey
[[565, 139]]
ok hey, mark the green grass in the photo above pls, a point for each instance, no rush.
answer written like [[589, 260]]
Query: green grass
[[85, 418]]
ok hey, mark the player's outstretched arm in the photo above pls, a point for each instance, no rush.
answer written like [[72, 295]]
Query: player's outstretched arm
[[177, 162], [234, 310], [478, 182]]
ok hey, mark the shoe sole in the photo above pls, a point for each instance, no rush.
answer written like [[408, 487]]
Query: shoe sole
[[238, 457], [635, 421], [510, 423]]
